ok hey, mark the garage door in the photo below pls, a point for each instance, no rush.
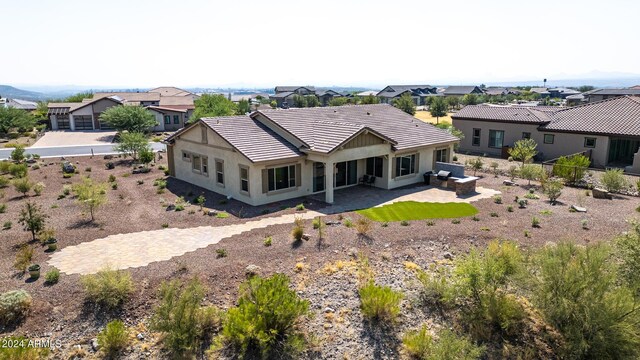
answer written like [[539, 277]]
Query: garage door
[[83, 122], [63, 122]]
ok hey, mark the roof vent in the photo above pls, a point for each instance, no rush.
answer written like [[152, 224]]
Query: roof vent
[[335, 111], [368, 113], [218, 121]]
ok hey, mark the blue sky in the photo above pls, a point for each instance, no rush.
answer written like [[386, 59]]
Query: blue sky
[[141, 43]]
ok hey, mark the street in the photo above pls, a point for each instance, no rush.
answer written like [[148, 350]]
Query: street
[[73, 150]]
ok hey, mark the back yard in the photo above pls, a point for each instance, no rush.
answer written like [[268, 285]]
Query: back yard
[[324, 267]]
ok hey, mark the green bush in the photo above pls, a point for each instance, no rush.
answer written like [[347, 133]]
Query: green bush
[[17, 154], [419, 344], [300, 207], [571, 168], [268, 241], [613, 180], [628, 251], [437, 288], [52, 276], [23, 258], [297, 232], [531, 172], [14, 306], [109, 288], [112, 178], [113, 338], [181, 318], [22, 185], [4, 182], [3, 208], [38, 188], [221, 253], [535, 222], [552, 189], [265, 320], [379, 303], [4, 166], [22, 352], [577, 291], [316, 223]]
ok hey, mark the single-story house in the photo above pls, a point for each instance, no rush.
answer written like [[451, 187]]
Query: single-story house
[[25, 105], [325, 96], [169, 119], [462, 90], [500, 91], [418, 92], [83, 115], [604, 94], [562, 93], [278, 154], [284, 94], [608, 130]]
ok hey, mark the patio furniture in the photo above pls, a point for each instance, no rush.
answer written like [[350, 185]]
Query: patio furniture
[[364, 179], [371, 181]]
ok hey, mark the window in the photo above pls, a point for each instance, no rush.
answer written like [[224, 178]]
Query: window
[[167, 119], [176, 119], [196, 163], [548, 138], [186, 156], [282, 177], [589, 142], [441, 155], [526, 135], [220, 171], [203, 134], [496, 138], [374, 166], [405, 165], [205, 165], [244, 178], [475, 140]]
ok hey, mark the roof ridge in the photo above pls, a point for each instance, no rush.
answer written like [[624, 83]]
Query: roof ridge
[[592, 103]]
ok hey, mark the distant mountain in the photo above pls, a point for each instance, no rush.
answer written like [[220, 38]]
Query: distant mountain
[[7, 91]]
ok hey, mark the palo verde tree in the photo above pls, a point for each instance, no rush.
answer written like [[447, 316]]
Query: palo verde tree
[[90, 195], [211, 105], [15, 119], [32, 218], [406, 104], [523, 150], [129, 118], [132, 144], [438, 108]]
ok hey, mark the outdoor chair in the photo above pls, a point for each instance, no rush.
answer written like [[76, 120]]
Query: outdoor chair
[[364, 179], [371, 180]]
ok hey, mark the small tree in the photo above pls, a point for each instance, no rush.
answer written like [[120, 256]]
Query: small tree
[[90, 195], [299, 101], [17, 154], [476, 164], [523, 150], [243, 107], [12, 118], [470, 99], [613, 180], [338, 101], [406, 104], [571, 168], [438, 108], [33, 219], [22, 185], [210, 105], [370, 99], [312, 101], [132, 144], [146, 155], [553, 190], [129, 118], [531, 172], [453, 102]]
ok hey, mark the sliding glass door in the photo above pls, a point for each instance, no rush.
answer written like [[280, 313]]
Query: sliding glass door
[[346, 173]]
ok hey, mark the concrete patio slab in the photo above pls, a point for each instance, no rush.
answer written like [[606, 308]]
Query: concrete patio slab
[[66, 138]]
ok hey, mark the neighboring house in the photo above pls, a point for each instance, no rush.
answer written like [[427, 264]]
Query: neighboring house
[[175, 103], [573, 100], [367, 93], [500, 91], [609, 130], [325, 96], [542, 91], [635, 87], [604, 94], [462, 90], [562, 93], [20, 104], [279, 154], [284, 94], [418, 92]]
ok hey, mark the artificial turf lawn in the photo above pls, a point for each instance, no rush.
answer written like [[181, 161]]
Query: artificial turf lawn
[[413, 210]]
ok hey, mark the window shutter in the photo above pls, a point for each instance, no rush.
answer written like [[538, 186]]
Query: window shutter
[[298, 175], [394, 163], [417, 166], [265, 181]]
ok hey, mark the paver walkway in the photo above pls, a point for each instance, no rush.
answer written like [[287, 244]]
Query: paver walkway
[[138, 249]]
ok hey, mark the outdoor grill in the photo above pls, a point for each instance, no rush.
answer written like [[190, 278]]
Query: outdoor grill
[[443, 175]]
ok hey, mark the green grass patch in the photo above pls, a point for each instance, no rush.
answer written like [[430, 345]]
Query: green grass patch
[[413, 210]]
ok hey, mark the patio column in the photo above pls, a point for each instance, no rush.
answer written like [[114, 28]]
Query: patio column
[[328, 176]]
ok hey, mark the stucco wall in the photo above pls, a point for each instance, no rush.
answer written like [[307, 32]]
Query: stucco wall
[[563, 144]]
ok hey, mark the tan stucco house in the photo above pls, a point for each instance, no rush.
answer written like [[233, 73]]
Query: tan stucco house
[[608, 130], [278, 154]]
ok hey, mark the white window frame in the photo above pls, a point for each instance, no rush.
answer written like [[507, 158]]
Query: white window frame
[[290, 178], [219, 172], [412, 165], [493, 146], [476, 139], [245, 179]]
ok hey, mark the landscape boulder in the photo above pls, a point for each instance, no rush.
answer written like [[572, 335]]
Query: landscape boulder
[[579, 208], [599, 193], [68, 168]]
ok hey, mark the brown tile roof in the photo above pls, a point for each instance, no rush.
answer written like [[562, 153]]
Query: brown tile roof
[[324, 129], [161, 109], [176, 100], [129, 96], [617, 116], [170, 91], [293, 88], [502, 114], [250, 137]]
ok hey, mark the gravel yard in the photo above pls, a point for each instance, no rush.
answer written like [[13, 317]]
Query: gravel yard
[[135, 205]]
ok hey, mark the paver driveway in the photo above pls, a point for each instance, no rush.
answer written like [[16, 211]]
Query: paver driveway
[[138, 249]]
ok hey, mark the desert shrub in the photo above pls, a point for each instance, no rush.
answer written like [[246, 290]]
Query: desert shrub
[[494, 214], [4, 182], [347, 222], [613, 180], [112, 178], [22, 185], [265, 320], [379, 303], [66, 190], [510, 208], [221, 253], [18, 170], [481, 281], [316, 223], [552, 189], [52, 276], [455, 221], [113, 338], [404, 223], [114, 186], [38, 188], [4, 166], [497, 199], [628, 251], [476, 164], [268, 241], [14, 306], [23, 258], [535, 222], [437, 288], [7, 225], [17, 154], [475, 218], [513, 172], [419, 344], [297, 232], [177, 316], [3, 208], [300, 207], [577, 291], [571, 168], [430, 222], [531, 172], [363, 226], [109, 288], [222, 215]]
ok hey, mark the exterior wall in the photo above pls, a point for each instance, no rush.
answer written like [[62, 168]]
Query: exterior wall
[[87, 110], [159, 120], [563, 144], [98, 108], [54, 122], [425, 163]]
